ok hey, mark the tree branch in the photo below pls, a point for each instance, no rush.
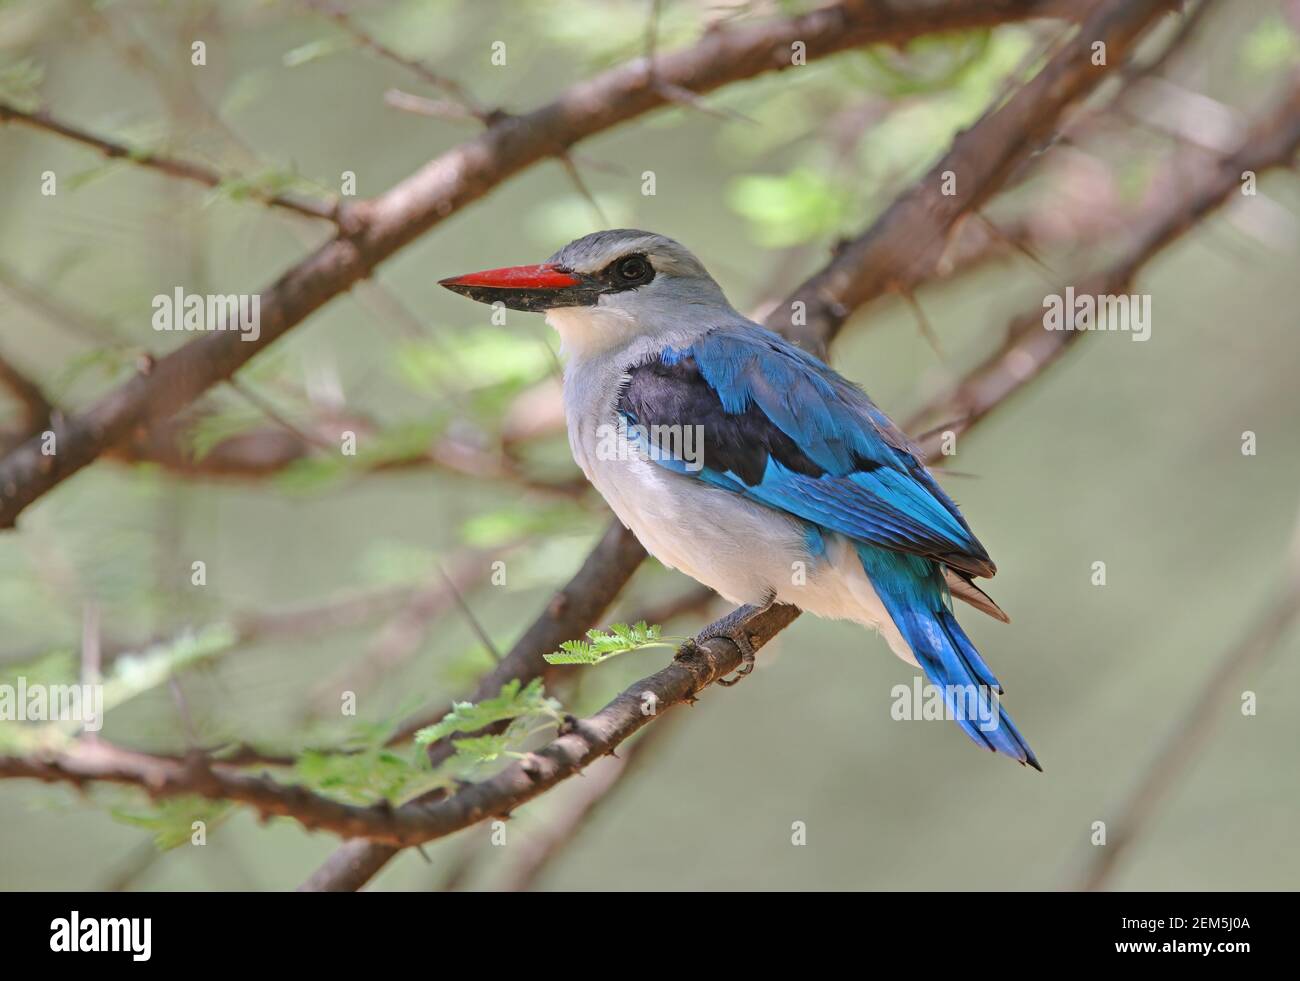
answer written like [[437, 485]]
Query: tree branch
[[36, 408], [1028, 347], [542, 846], [416, 822], [172, 167], [378, 228], [980, 161]]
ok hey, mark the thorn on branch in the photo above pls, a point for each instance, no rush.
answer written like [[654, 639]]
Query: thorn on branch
[[1015, 243]]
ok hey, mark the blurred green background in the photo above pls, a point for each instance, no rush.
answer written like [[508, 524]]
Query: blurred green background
[[1125, 453]]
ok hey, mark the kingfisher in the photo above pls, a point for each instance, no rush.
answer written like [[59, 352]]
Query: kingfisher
[[752, 466]]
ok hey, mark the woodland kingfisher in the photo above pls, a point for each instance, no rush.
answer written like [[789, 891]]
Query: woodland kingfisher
[[753, 467]]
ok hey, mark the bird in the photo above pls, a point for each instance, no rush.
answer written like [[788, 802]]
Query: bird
[[752, 466]]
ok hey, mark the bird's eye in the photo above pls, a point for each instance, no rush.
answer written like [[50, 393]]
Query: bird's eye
[[633, 270]]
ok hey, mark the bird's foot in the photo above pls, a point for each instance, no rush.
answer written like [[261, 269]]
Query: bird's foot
[[740, 637], [734, 628]]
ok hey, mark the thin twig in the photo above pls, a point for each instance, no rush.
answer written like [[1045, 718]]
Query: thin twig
[[172, 167], [274, 414], [468, 613], [417, 68], [570, 168]]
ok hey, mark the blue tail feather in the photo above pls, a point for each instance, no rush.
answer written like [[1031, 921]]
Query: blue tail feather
[[913, 593], [975, 664]]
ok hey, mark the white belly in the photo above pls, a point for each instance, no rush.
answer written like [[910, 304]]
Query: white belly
[[744, 551]]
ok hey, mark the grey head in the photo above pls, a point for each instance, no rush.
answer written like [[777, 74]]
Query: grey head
[[607, 287], [618, 267], [642, 263]]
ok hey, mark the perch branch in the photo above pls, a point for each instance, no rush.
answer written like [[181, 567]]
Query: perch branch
[[376, 229]]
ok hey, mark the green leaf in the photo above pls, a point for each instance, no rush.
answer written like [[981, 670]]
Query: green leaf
[[131, 675], [360, 778], [134, 674], [601, 646], [483, 749], [171, 821], [513, 702]]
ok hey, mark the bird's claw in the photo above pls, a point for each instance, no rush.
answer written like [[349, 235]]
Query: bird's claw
[[746, 647], [738, 636]]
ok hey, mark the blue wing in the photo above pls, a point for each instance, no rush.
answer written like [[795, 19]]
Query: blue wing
[[782, 428]]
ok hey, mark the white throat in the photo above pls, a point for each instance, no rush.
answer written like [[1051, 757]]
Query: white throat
[[589, 331]]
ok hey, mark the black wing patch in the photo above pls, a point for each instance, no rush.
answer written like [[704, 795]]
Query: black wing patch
[[659, 394], [674, 393]]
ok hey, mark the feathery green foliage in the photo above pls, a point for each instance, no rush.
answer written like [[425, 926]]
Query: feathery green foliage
[[131, 675], [513, 702], [171, 821], [601, 646], [360, 778]]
